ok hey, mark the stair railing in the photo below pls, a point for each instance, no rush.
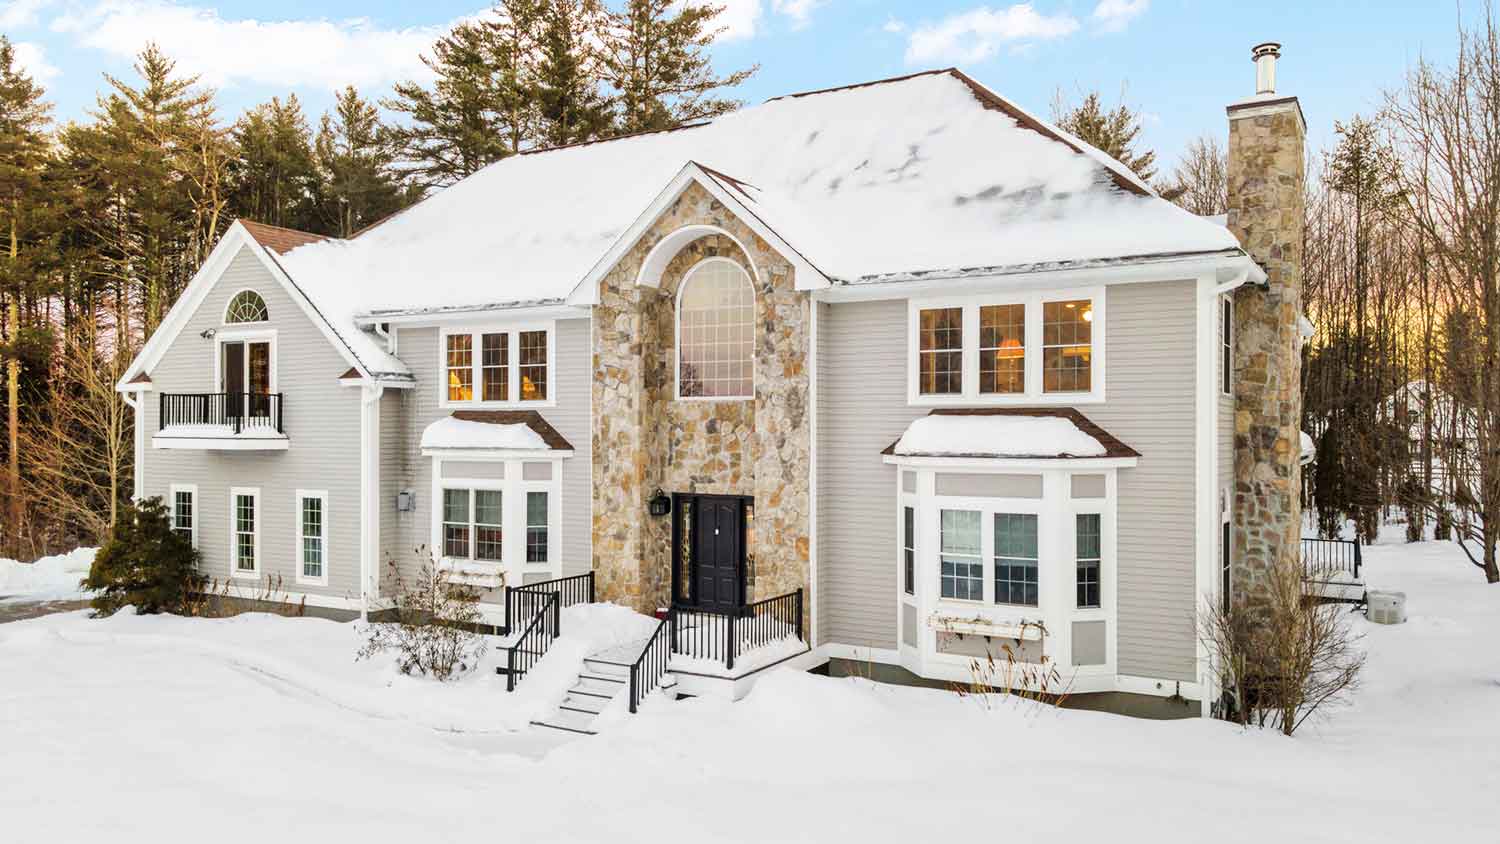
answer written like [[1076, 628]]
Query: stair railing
[[534, 641], [651, 666]]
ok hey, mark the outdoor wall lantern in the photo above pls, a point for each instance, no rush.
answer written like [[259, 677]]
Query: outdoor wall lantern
[[207, 333], [660, 504]]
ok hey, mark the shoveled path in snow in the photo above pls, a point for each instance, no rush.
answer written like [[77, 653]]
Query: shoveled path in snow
[[19, 608]]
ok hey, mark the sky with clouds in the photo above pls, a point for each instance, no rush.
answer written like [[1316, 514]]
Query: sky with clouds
[[1180, 61]]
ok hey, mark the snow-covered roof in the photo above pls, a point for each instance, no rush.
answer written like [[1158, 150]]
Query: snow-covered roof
[[1008, 433], [523, 430], [919, 176]]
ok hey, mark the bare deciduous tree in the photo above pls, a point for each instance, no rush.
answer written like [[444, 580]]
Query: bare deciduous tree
[[1447, 127], [1281, 658], [1200, 182]]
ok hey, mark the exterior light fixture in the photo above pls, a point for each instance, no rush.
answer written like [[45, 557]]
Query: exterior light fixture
[[207, 333], [660, 504]]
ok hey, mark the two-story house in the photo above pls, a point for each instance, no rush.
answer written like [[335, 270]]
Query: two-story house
[[959, 377]]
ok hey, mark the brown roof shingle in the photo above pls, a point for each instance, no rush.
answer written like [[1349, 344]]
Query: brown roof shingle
[[1112, 446], [529, 418], [278, 239]]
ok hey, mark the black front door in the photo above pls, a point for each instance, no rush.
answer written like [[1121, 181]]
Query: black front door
[[718, 551]]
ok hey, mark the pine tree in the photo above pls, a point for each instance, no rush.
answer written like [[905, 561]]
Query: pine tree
[[358, 182], [657, 64], [1114, 132], [481, 105], [569, 101], [23, 153], [274, 178], [138, 146]]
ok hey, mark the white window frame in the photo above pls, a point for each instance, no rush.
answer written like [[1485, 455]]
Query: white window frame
[[513, 331], [224, 315], [1226, 346], [192, 490], [513, 488], [687, 279], [1073, 515], [234, 548], [244, 335], [987, 508], [1034, 393], [300, 496]]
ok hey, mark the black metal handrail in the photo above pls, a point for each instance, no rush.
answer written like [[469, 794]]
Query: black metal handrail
[[651, 665], [523, 601], [1326, 556], [724, 634], [534, 641], [236, 410]]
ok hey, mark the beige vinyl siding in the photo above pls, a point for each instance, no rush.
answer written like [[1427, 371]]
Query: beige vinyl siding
[[863, 408], [406, 413], [1151, 383], [321, 419]]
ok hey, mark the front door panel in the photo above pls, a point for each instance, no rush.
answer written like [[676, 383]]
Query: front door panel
[[718, 552]]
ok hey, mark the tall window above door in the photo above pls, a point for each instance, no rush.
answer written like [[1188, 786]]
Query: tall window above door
[[716, 332], [503, 366], [1013, 349]]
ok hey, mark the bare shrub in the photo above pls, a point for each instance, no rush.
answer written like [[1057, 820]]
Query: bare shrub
[[222, 599], [1281, 657], [435, 631], [999, 676]]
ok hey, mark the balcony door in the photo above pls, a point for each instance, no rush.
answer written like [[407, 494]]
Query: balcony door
[[246, 377]]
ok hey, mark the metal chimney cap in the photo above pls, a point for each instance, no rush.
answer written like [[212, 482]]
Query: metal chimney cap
[[1265, 48]]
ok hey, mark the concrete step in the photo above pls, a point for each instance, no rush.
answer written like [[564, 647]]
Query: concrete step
[[606, 669], [569, 721], [604, 686], [583, 703]]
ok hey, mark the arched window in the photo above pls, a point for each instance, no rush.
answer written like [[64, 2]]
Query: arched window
[[715, 332], [246, 306]]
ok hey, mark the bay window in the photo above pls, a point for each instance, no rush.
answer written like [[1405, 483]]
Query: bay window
[[498, 367], [1088, 554], [1017, 349], [1016, 559], [962, 571]]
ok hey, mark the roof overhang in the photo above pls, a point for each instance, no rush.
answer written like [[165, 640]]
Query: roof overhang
[[1116, 454], [733, 194], [1230, 267]]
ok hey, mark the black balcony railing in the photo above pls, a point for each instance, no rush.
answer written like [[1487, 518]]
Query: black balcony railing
[[238, 411], [722, 635], [1324, 558]]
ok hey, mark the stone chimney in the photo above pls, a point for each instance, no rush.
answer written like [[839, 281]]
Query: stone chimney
[[1266, 175]]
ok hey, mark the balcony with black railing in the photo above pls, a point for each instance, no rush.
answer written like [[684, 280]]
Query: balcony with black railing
[[224, 421]]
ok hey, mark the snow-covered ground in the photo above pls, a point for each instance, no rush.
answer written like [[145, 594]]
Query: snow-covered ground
[[48, 579], [167, 729]]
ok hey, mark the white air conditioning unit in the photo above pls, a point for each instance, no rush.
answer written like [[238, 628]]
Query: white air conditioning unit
[[1386, 607]]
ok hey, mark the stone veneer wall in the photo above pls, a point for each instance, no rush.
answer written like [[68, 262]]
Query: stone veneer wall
[[1266, 175], [644, 438]]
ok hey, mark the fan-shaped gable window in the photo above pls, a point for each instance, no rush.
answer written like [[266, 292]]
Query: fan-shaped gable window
[[715, 332], [246, 306]]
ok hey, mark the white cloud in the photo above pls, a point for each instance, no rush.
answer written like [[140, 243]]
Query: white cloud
[[19, 13], [977, 34], [32, 59], [893, 25], [1115, 15], [319, 54], [800, 11], [740, 18]]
